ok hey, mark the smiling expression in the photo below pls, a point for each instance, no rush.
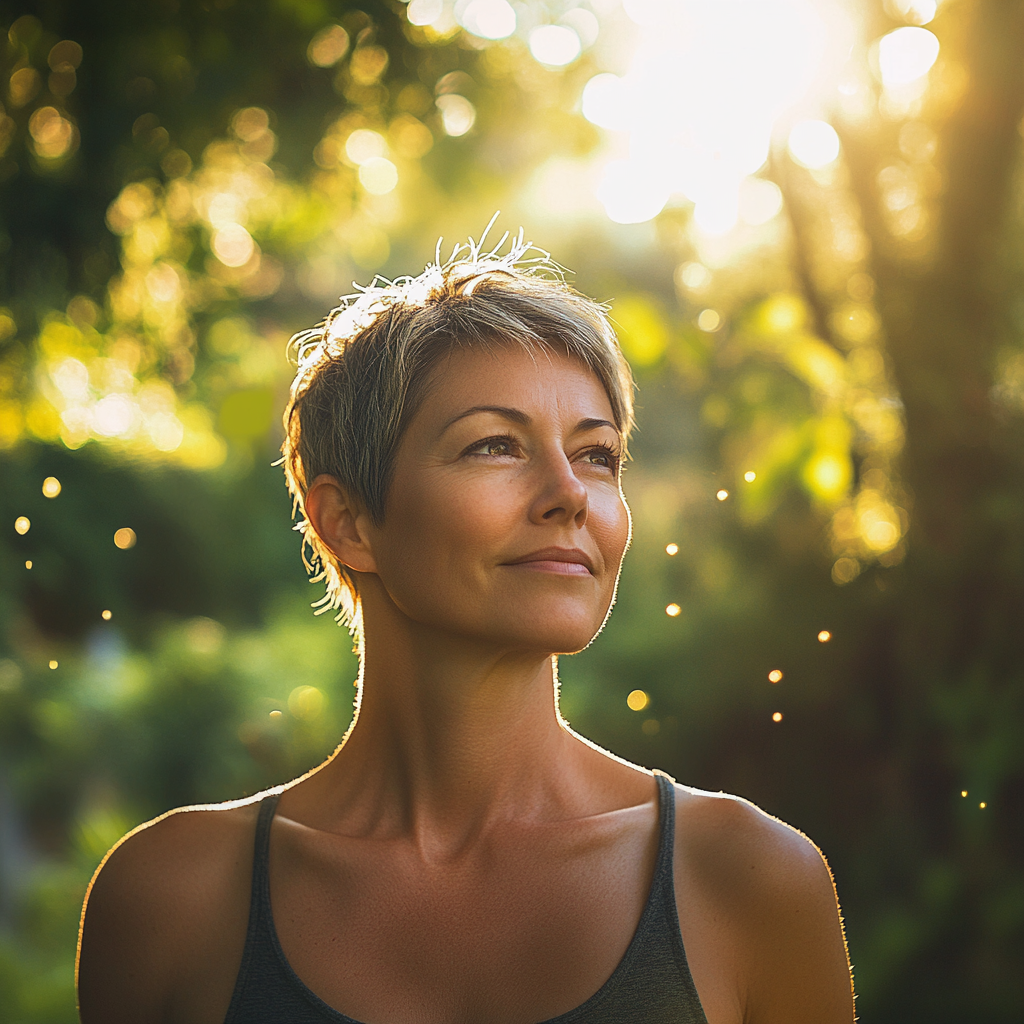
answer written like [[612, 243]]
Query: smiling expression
[[505, 521]]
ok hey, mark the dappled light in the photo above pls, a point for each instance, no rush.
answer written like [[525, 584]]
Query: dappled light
[[906, 55], [124, 538], [696, 110], [637, 700]]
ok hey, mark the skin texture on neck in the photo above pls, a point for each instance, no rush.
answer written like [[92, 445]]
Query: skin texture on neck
[[442, 759]]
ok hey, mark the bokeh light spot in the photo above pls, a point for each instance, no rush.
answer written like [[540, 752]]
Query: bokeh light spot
[[113, 416], [53, 663], [52, 133], [650, 727], [824, 636], [777, 717], [775, 675], [716, 212], [106, 615], [28, 563], [488, 19], [672, 610], [364, 144], [672, 549], [813, 144], [306, 702], [65, 53], [51, 487], [276, 713], [554, 45], [750, 476], [637, 700], [709, 320], [125, 538], [983, 805], [963, 792], [906, 55], [693, 276], [722, 494], [250, 123], [424, 12], [23, 86], [378, 176], [845, 570], [458, 115], [759, 201], [828, 474], [633, 191], [22, 525], [606, 103], [233, 245], [328, 46]]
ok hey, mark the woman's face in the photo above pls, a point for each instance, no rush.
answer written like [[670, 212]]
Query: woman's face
[[505, 521]]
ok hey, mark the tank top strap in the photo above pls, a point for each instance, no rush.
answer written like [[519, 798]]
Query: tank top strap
[[663, 868], [259, 935], [261, 848]]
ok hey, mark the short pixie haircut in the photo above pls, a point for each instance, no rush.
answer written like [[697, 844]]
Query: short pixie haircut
[[364, 371]]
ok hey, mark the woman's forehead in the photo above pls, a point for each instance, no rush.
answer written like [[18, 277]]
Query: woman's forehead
[[510, 375]]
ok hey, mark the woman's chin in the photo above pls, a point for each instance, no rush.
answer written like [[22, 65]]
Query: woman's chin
[[558, 626], [551, 636]]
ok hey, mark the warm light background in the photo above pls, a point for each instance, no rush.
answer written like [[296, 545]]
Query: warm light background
[[806, 218]]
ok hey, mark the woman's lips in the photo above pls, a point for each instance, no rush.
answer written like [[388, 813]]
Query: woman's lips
[[562, 561], [550, 565]]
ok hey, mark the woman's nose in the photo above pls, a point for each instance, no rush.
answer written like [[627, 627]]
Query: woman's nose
[[562, 496]]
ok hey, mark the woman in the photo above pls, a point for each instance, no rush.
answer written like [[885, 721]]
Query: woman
[[453, 444]]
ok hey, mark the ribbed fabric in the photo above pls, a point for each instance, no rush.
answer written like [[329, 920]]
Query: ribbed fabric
[[651, 985]]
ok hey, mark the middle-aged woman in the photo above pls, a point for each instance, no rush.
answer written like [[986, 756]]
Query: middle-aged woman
[[454, 445]]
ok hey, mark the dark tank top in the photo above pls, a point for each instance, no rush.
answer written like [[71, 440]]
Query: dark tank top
[[651, 985]]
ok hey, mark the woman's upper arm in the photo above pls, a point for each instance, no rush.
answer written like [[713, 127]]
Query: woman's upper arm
[[777, 930], [125, 966], [164, 921], [802, 971]]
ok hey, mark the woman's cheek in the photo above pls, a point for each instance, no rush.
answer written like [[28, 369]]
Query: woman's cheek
[[483, 508], [611, 525]]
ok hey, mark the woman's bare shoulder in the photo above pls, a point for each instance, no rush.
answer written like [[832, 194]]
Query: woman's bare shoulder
[[167, 908], [769, 889], [732, 838]]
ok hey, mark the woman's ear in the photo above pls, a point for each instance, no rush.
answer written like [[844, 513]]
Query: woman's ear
[[340, 523]]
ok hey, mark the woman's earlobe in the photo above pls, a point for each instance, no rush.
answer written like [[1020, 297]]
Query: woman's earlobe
[[339, 522]]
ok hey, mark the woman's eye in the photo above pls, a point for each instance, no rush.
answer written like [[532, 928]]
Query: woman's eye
[[495, 446], [604, 457]]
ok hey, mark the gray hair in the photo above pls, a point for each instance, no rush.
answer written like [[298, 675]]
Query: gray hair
[[363, 373]]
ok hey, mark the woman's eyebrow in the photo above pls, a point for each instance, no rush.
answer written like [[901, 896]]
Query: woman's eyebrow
[[515, 415], [591, 424], [520, 417]]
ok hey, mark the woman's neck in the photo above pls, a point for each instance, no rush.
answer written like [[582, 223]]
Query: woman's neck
[[451, 735]]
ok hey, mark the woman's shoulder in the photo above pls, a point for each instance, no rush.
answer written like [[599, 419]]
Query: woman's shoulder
[[187, 845], [169, 902], [765, 871], [764, 888], [728, 834]]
